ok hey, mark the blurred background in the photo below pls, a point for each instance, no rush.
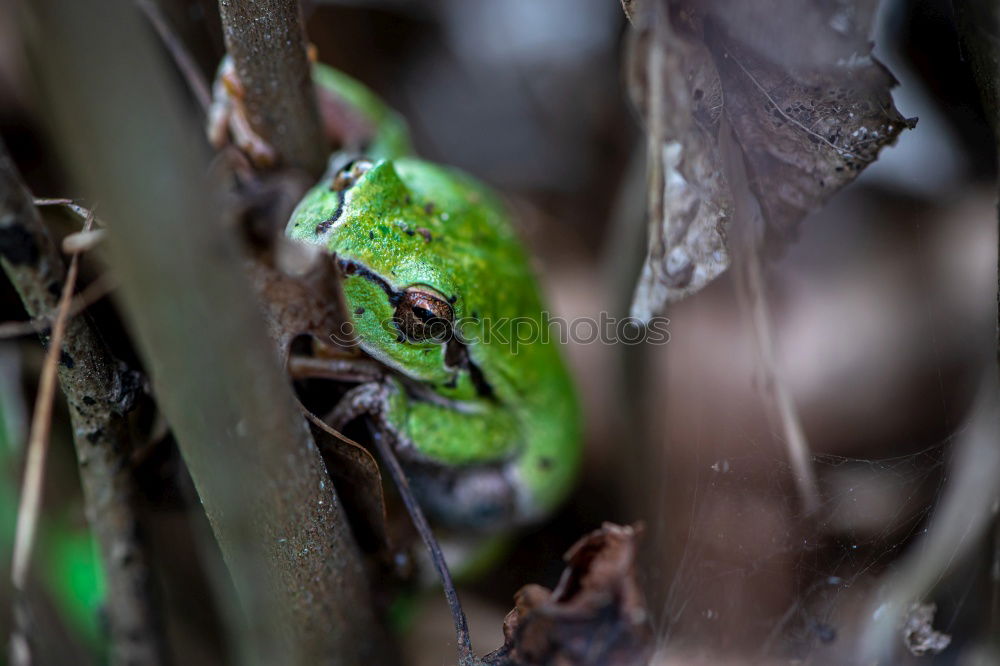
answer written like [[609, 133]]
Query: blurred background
[[884, 317]]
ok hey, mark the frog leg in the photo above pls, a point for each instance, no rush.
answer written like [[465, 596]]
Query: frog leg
[[367, 399], [481, 496]]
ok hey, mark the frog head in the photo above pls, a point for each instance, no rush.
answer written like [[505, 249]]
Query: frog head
[[416, 248]]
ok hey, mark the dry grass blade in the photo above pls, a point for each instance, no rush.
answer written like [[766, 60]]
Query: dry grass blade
[[99, 391], [795, 439], [38, 439], [807, 125], [80, 211], [750, 276]]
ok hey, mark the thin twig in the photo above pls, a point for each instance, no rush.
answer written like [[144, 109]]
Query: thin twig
[[466, 657], [38, 439], [53, 201], [748, 222], [795, 438], [80, 211], [192, 74]]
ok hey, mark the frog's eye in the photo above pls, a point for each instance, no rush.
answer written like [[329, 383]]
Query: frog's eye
[[423, 316], [350, 174]]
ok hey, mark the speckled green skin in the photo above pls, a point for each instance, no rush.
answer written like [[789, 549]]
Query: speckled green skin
[[410, 222]]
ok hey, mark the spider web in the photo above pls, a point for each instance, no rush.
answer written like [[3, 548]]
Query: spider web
[[826, 564]]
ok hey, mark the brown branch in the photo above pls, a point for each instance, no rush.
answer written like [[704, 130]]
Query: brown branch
[[98, 393], [266, 40], [303, 593]]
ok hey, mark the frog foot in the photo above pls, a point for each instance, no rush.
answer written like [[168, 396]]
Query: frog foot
[[228, 117], [370, 399], [479, 497], [366, 399]]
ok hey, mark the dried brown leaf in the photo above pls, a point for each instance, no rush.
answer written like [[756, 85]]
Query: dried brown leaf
[[797, 35], [596, 615], [358, 481], [673, 79], [809, 109], [804, 136]]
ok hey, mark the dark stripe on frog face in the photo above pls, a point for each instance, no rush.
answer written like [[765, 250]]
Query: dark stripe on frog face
[[330, 221], [323, 226], [456, 353], [348, 267]]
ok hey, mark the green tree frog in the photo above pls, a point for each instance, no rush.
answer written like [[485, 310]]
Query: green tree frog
[[438, 285]]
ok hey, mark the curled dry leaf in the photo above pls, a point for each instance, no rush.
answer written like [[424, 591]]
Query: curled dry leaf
[[358, 480], [674, 82], [808, 114], [596, 615], [798, 35], [628, 8]]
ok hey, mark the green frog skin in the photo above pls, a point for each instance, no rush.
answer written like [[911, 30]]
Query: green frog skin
[[436, 279]]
